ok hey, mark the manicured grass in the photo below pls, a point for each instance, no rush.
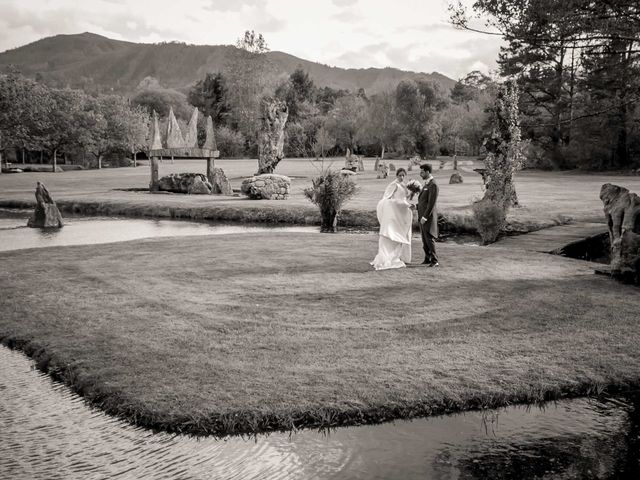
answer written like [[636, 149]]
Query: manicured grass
[[252, 333], [548, 198]]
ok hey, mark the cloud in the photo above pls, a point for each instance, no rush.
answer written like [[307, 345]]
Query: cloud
[[344, 3], [270, 24], [234, 5]]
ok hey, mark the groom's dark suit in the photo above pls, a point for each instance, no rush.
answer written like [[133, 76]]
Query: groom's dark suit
[[429, 230]]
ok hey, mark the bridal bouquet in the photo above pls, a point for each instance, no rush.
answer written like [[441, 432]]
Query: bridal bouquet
[[414, 187]]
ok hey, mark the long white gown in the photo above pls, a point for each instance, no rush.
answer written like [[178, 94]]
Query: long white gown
[[395, 218]]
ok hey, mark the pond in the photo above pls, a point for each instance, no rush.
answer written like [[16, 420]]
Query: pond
[[78, 230]]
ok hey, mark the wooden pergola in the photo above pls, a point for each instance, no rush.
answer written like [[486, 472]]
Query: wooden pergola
[[179, 147]]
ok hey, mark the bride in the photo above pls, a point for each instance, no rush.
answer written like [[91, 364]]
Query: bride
[[395, 217]]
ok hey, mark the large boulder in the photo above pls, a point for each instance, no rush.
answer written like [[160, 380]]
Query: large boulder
[[622, 211], [46, 214], [267, 187], [192, 183]]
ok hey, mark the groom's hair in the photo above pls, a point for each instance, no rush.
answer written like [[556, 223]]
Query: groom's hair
[[426, 167]]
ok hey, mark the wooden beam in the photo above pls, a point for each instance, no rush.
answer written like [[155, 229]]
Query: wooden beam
[[210, 167], [183, 152]]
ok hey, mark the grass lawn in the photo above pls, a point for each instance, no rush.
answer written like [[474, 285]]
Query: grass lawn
[[548, 198], [252, 333]]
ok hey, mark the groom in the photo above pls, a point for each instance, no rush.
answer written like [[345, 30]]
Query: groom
[[428, 216]]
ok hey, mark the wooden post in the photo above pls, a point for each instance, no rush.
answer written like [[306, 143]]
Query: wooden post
[[210, 166], [153, 186]]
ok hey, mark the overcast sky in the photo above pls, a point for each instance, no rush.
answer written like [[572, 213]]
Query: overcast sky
[[407, 34]]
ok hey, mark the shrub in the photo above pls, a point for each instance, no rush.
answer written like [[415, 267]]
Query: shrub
[[489, 219], [329, 192]]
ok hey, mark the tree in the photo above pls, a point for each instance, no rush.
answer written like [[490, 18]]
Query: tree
[[563, 54], [417, 103], [323, 142], [345, 121], [250, 77], [210, 96], [161, 100], [381, 126]]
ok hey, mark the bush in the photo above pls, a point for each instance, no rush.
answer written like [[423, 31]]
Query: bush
[[329, 192], [489, 218], [230, 143]]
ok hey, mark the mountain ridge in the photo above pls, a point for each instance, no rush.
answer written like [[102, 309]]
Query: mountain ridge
[[94, 62]]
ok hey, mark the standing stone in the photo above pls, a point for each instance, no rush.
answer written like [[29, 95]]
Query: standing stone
[[271, 136], [220, 183], [174, 135], [622, 210], [210, 141], [392, 168], [199, 187], [383, 170], [46, 214], [191, 137]]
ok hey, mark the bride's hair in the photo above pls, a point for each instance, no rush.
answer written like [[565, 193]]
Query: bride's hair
[[400, 170]]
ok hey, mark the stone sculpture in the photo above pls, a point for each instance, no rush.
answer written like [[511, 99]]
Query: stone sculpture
[[383, 170], [267, 187], [622, 211], [455, 178], [46, 214], [191, 183], [220, 183], [271, 136]]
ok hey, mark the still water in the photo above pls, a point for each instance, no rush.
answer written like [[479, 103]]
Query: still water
[[47, 432], [14, 234]]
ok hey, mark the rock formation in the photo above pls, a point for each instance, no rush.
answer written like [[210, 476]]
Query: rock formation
[[191, 137], [271, 136], [46, 214], [220, 183], [622, 211], [267, 187], [174, 135], [383, 170], [455, 178], [210, 141], [192, 183]]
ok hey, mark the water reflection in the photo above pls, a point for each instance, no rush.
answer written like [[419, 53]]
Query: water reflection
[[95, 230], [47, 432]]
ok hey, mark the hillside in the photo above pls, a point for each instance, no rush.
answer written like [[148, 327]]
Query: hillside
[[97, 63]]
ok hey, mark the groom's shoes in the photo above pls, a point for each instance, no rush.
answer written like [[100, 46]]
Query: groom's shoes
[[434, 264]]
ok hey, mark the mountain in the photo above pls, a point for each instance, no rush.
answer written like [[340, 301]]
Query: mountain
[[97, 63]]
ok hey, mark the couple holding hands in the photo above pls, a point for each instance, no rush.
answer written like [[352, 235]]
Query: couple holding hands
[[395, 215]]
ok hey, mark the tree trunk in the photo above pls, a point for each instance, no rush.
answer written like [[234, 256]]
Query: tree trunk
[[329, 221], [23, 160], [382, 153], [41, 157], [0, 162], [99, 162], [135, 159], [55, 160]]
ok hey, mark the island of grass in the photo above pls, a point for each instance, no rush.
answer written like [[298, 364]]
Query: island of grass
[[243, 334]]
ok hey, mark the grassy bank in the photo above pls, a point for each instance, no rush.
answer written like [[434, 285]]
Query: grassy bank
[[548, 198], [252, 333]]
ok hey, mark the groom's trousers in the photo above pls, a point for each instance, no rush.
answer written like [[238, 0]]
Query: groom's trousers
[[428, 244]]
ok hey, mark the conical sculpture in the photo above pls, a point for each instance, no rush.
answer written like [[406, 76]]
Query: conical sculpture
[[156, 143], [210, 141], [174, 135], [191, 137]]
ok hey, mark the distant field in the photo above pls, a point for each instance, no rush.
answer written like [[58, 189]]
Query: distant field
[[545, 196]]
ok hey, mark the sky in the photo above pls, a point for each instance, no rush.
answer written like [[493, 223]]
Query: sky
[[407, 34]]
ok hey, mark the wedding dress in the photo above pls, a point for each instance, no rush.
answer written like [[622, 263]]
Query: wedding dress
[[395, 218]]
